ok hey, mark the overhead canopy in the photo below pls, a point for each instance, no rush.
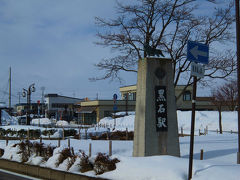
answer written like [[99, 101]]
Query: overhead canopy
[[88, 109]]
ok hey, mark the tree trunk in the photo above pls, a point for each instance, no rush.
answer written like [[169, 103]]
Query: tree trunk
[[220, 120]]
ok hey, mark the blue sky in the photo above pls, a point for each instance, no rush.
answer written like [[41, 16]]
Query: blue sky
[[50, 43]]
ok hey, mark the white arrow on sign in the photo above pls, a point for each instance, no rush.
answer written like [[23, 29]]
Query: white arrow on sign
[[195, 52]]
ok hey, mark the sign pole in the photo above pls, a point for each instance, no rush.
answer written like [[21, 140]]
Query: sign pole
[[114, 108], [192, 128], [197, 53]]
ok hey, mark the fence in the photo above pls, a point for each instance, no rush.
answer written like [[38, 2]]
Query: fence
[[205, 131]]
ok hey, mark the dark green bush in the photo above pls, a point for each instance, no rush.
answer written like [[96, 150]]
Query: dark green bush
[[34, 133], [2, 132], [22, 133], [69, 132], [1, 152], [49, 132]]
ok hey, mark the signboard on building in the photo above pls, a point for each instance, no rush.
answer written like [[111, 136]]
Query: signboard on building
[[161, 108]]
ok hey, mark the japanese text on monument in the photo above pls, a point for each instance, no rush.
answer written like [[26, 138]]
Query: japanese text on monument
[[161, 108]]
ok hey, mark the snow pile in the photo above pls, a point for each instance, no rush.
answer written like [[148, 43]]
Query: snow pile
[[62, 123], [2, 104], [203, 119], [154, 167], [7, 119], [35, 160], [12, 153], [57, 134], [209, 119], [53, 161], [41, 121], [124, 113], [121, 123]]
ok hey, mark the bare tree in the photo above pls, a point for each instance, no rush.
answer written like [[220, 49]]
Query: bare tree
[[225, 96], [218, 101], [168, 25], [228, 93]]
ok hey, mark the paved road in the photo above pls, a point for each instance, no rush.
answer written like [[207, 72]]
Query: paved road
[[7, 175]]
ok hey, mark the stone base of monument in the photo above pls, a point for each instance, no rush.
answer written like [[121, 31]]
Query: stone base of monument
[[155, 128]]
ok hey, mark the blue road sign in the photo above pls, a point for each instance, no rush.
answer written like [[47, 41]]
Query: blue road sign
[[197, 52], [115, 97]]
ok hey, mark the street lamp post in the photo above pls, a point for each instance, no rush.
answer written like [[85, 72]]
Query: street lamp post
[[28, 92]]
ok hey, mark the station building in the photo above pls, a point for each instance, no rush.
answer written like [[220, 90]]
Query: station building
[[91, 111]]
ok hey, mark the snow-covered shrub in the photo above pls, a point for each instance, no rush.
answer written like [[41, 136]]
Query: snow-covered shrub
[[84, 165], [48, 151], [64, 154], [103, 164], [71, 161], [38, 148], [25, 148]]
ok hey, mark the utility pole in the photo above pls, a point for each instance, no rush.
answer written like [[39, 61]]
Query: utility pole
[[42, 89], [19, 97], [10, 74], [238, 73]]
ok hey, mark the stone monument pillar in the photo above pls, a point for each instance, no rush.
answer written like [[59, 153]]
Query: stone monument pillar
[[155, 128]]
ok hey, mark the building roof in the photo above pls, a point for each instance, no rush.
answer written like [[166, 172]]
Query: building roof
[[56, 95], [128, 86], [24, 104]]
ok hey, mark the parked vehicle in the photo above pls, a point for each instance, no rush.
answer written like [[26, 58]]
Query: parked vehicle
[[22, 120]]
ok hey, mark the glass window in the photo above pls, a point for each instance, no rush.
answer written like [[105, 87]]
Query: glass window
[[131, 96], [187, 96]]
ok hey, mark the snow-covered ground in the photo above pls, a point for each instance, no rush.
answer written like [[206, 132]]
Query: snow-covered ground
[[219, 159], [220, 152]]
